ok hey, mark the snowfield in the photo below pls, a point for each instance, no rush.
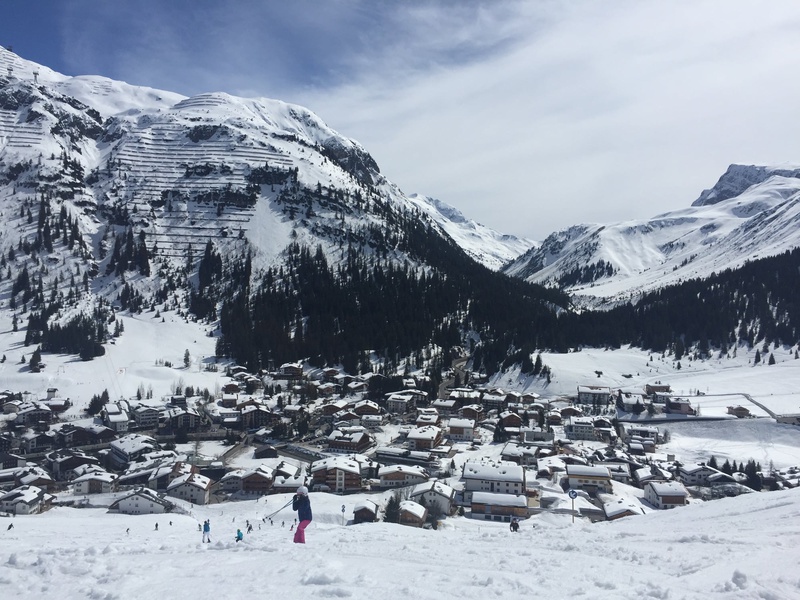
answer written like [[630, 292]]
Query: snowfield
[[743, 547]]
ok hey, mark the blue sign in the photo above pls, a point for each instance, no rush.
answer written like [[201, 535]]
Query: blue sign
[[572, 494]]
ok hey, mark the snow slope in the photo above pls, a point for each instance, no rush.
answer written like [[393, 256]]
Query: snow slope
[[487, 246], [744, 547]]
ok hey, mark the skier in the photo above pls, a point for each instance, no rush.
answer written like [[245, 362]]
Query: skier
[[302, 505], [207, 531], [249, 529], [156, 526], [10, 527], [239, 536]]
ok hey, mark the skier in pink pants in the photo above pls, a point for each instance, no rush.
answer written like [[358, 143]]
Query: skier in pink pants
[[302, 505]]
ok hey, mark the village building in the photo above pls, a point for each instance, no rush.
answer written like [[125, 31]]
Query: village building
[[519, 454], [438, 497], [461, 430], [428, 416], [401, 403], [365, 511], [594, 394], [142, 501], [695, 474], [115, 417], [251, 482], [424, 438], [412, 514], [62, 463], [498, 507], [145, 417], [193, 487], [95, 482], [25, 500], [338, 473], [588, 478], [474, 412], [666, 495], [580, 428], [620, 508], [349, 442], [503, 478], [392, 476], [130, 448]]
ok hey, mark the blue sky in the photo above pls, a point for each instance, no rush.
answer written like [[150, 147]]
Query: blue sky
[[528, 116]]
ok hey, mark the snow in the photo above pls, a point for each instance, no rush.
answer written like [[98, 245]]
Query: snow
[[744, 547]]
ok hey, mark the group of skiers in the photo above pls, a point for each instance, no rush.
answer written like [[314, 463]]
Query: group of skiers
[[300, 503]]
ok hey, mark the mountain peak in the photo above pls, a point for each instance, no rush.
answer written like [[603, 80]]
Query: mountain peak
[[738, 178]]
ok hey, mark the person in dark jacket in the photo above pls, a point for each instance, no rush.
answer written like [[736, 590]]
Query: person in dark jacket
[[302, 505]]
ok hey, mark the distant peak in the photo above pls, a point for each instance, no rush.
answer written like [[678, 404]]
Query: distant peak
[[739, 178]]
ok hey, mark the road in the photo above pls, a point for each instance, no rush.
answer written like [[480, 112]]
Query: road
[[458, 369]]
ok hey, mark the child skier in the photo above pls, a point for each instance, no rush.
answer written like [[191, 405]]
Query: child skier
[[239, 536], [302, 505]]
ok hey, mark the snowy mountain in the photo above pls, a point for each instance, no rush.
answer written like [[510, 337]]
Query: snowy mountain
[[485, 245], [751, 212]]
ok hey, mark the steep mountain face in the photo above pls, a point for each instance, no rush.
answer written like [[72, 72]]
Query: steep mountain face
[[752, 212], [144, 199], [485, 245]]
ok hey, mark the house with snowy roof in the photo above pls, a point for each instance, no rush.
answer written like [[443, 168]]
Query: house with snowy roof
[[142, 501], [445, 407], [194, 488], [519, 454], [339, 473], [34, 476], [115, 417], [63, 462], [666, 494], [428, 416], [130, 448], [594, 394], [347, 442], [392, 476], [424, 438], [472, 411], [591, 479], [617, 509], [365, 511], [34, 442], [580, 428], [461, 430], [498, 507], [436, 495], [252, 482], [695, 474], [95, 482], [501, 478], [412, 514], [400, 403], [25, 500], [163, 474]]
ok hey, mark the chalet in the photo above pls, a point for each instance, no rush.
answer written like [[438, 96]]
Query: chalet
[[550, 467], [331, 408], [445, 407], [695, 474], [194, 487], [253, 482], [580, 428], [11, 461], [401, 475], [498, 507], [495, 400], [100, 434], [510, 421], [130, 448], [472, 411], [115, 417], [519, 454], [500, 478], [590, 479], [162, 475], [357, 387], [338, 473], [145, 417], [63, 462], [25, 500], [35, 476], [657, 388], [229, 400], [32, 442], [461, 430], [231, 388], [366, 407], [428, 416], [620, 471], [665, 495], [464, 396], [412, 514], [553, 417], [739, 411], [594, 395], [620, 508], [678, 405], [327, 389], [348, 442], [401, 403], [183, 419], [651, 474], [436, 495], [290, 371], [95, 482], [373, 422], [177, 400], [33, 413], [142, 501], [424, 438], [365, 511], [255, 416], [6, 442]]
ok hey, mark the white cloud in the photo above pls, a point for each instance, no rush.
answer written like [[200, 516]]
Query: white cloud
[[528, 116]]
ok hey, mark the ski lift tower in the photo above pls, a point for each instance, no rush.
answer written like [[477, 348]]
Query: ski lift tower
[[36, 78]]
